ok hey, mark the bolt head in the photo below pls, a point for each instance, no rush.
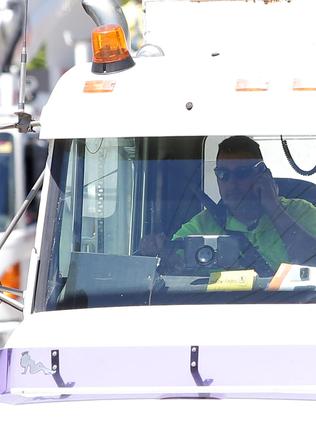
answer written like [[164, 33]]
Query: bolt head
[[189, 106]]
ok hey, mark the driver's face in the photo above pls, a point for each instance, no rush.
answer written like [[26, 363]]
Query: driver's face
[[236, 177]]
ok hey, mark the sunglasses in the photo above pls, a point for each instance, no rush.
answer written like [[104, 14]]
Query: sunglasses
[[240, 173]]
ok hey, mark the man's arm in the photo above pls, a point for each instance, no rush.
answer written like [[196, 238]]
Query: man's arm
[[300, 243]]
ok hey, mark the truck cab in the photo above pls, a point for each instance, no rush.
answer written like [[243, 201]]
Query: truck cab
[[127, 298]]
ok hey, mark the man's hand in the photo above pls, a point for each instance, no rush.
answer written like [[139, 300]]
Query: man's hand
[[267, 191], [159, 245], [152, 244]]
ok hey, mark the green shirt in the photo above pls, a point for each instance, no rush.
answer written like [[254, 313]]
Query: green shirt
[[264, 237]]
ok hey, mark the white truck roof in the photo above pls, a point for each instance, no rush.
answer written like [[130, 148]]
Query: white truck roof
[[150, 99], [252, 26]]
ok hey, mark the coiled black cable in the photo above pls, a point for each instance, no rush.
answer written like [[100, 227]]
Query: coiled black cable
[[293, 163]]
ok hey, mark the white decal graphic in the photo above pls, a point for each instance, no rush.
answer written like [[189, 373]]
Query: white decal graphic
[[27, 363]]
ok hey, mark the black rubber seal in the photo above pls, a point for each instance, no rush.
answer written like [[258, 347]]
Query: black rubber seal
[[117, 66]]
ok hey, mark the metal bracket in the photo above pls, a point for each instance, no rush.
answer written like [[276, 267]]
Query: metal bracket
[[56, 373], [194, 368]]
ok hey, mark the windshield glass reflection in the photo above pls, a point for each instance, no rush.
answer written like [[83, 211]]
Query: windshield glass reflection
[[135, 230]]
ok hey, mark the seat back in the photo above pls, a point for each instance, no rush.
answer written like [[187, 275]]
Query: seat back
[[295, 188]]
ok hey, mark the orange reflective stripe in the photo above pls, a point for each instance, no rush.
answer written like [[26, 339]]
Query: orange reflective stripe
[[279, 277]]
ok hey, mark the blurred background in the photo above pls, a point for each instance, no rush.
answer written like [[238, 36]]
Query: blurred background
[[58, 36]]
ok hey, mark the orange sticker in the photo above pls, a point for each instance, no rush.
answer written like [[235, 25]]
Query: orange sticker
[[96, 86], [304, 85], [245, 85]]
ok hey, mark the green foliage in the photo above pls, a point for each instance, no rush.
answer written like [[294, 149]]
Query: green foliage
[[39, 61]]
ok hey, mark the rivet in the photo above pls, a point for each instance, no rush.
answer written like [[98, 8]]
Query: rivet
[[189, 106]]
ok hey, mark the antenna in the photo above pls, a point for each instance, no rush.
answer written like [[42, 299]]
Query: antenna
[[25, 123], [21, 103]]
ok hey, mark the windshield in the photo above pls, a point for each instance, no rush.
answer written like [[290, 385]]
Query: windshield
[[181, 220], [7, 180]]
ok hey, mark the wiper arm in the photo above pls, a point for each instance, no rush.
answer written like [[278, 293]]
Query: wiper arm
[[14, 291], [11, 301]]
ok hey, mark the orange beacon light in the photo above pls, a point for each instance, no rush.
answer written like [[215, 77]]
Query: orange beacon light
[[110, 52]]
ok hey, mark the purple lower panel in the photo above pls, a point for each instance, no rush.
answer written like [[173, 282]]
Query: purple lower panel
[[4, 364], [30, 375], [100, 367], [42, 369]]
